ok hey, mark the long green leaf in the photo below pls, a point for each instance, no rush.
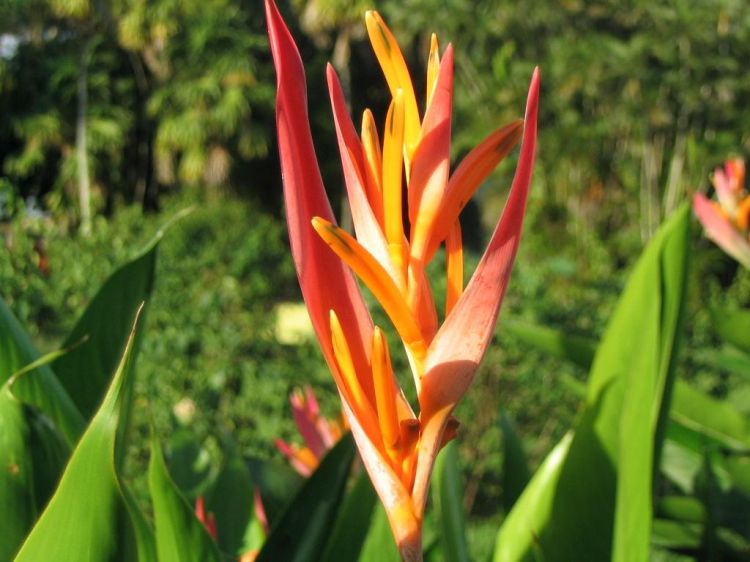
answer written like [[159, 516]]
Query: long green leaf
[[717, 419], [41, 388], [601, 502], [352, 522], [448, 501], [30, 473], [231, 501], [516, 473], [104, 328], [87, 518], [733, 326], [301, 532], [380, 546], [277, 482], [16, 475], [180, 537]]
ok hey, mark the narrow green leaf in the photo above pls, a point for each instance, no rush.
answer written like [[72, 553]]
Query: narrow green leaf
[[516, 472], [231, 501], [190, 465], [40, 388], [86, 519], [717, 419], [301, 532], [104, 328], [600, 505], [578, 349], [448, 501], [380, 546], [518, 534], [16, 475], [278, 483], [733, 326], [349, 532], [180, 537]]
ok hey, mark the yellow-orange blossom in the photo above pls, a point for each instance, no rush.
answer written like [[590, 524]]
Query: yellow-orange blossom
[[397, 446]]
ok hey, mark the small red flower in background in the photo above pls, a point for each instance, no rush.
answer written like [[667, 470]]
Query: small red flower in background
[[319, 433], [726, 221]]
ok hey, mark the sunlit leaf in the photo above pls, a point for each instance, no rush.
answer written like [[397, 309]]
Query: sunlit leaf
[[88, 518]]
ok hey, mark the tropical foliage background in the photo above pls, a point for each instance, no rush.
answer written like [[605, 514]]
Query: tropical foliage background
[[117, 116]]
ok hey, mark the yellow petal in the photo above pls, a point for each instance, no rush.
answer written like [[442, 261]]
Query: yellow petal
[[361, 406], [373, 164], [392, 172], [433, 65], [396, 74], [377, 280], [455, 267]]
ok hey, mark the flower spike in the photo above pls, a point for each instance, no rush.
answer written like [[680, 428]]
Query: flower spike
[[398, 448]]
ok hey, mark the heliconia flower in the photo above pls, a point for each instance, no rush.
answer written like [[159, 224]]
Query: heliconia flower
[[726, 221], [319, 433], [397, 446]]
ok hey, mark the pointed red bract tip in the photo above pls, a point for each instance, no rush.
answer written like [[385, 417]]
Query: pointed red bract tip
[[461, 342], [326, 283]]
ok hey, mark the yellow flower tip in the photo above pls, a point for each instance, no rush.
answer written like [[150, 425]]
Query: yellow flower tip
[[743, 214], [385, 392]]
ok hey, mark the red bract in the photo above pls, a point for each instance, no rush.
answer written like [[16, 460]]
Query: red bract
[[398, 447]]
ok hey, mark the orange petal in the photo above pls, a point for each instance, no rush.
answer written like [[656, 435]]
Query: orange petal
[[360, 401], [385, 392], [405, 524], [373, 164], [376, 279], [396, 74], [469, 175], [366, 225], [325, 281], [455, 266], [431, 165]]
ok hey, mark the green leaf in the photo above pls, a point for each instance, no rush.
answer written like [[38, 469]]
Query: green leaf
[[448, 501], [599, 507], [189, 462], [517, 537], [301, 532], [380, 546], [231, 501], [180, 537], [515, 468], [278, 483], [39, 388], [87, 518], [16, 475], [733, 326], [348, 535], [104, 328], [717, 419], [578, 349], [691, 407]]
